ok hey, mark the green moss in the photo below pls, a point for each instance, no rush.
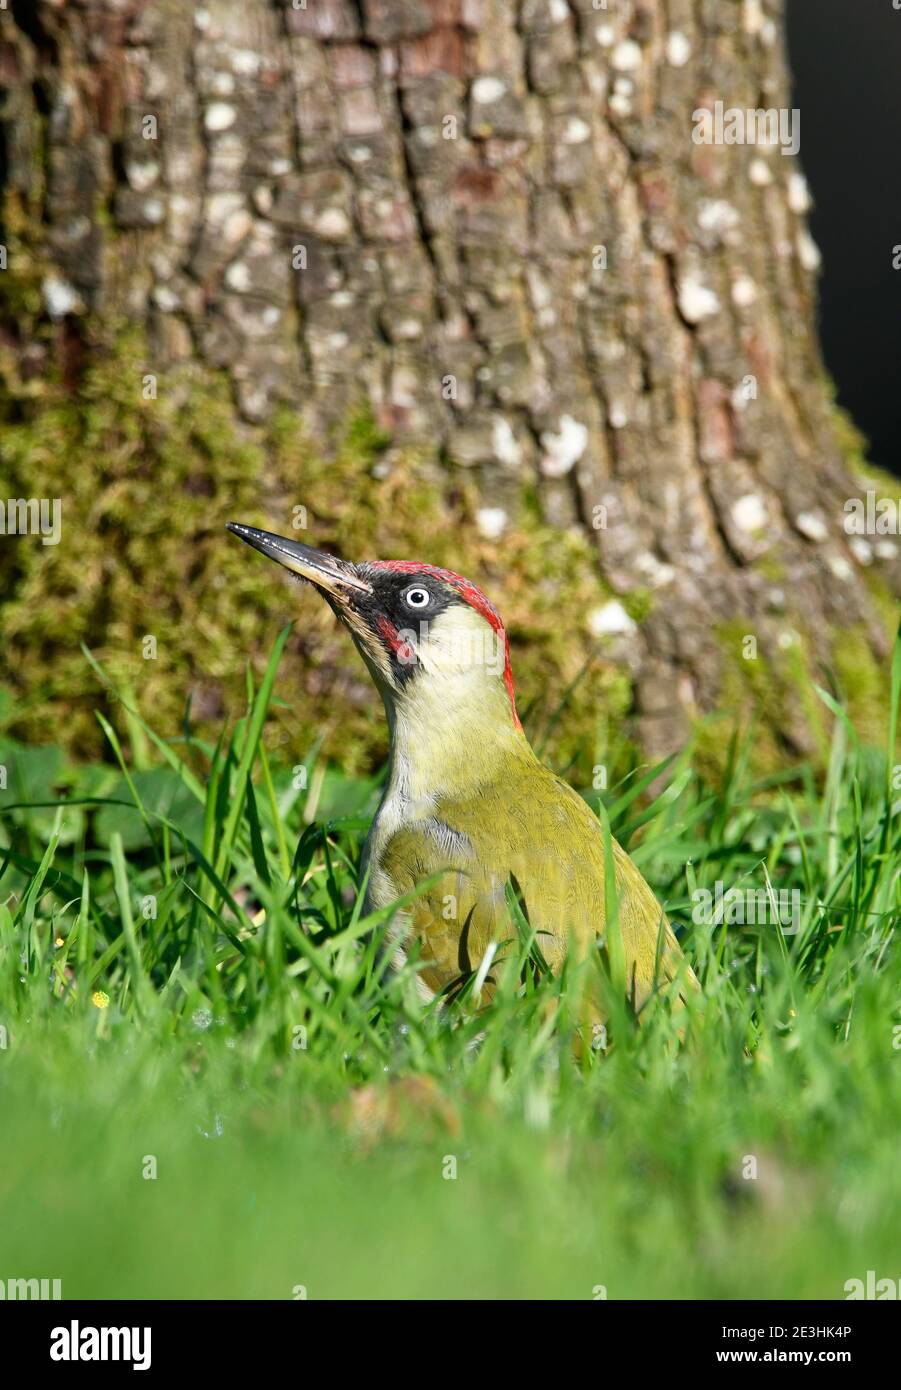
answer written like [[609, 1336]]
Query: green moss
[[863, 683], [884, 602], [638, 604], [851, 440], [770, 690], [743, 696], [146, 489], [770, 566], [777, 689]]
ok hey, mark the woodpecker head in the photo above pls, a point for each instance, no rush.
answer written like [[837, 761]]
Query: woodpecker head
[[429, 637]]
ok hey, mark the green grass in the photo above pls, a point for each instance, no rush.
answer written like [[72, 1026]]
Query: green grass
[[188, 983]]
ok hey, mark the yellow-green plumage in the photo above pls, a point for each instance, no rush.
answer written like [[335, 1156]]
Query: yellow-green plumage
[[467, 799], [517, 819]]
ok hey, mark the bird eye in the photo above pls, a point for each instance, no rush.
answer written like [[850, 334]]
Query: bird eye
[[417, 598]]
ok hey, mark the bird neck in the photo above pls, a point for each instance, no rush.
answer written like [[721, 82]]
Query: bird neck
[[450, 736]]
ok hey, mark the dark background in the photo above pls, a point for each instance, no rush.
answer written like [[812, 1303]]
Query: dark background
[[846, 59]]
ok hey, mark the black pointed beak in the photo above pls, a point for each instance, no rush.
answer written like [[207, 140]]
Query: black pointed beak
[[333, 576]]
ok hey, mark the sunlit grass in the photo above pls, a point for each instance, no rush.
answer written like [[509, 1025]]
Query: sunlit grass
[[189, 986]]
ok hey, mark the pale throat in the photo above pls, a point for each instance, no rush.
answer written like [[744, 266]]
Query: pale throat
[[446, 741], [453, 725]]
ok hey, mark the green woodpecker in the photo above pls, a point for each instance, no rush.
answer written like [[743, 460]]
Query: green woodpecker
[[466, 798]]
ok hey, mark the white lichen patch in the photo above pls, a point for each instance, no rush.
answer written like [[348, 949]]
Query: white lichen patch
[[610, 620], [142, 173], [332, 223], [759, 173], [576, 131], [861, 550], [236, 226], [626, 56], [597, 82], [798, 193], [491, 522], [841, 567], [619, 416], [60, 297], [245, 61], [716, 215], [237, 277], [812, 525], [221, 206], [166, 299], [678, 49], [656, 573], [219, 115], [605, 35], [620, 105], [744, 292], [808, 251], [539, 287], [503, 442], [697, 301], [749, 513], [486, 90], [254, 401], [563, 449]]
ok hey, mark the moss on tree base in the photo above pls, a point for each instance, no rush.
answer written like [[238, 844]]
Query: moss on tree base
[[147, 577]]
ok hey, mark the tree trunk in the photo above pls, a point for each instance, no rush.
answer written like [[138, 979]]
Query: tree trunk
[[492, 221]]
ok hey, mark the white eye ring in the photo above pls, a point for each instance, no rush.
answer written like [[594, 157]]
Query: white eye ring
[[417, 598]]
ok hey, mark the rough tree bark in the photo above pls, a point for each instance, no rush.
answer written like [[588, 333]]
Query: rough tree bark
[[509, 243]]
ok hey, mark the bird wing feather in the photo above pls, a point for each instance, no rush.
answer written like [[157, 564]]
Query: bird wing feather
[[478, 843]]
